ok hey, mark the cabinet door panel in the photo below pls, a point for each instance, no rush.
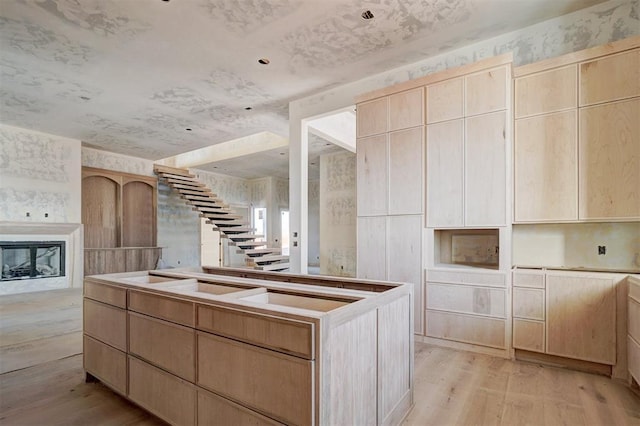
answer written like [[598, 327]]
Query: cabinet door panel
[[372, 175], [445, 100], [528, 335], [372, 246], [547, 91], [444, 169], [486, 91], [609, 161], [610, 78], [405, 257], [528, 303], [581, 318], [372, 117], [406, 109], [485, 166], [405, 171], [546, 168]]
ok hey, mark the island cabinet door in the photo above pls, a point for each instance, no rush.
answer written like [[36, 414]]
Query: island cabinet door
[[277, 385], [581, 317]]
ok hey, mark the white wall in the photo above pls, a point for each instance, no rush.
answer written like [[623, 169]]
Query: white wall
[[313, 213], [39, 175]]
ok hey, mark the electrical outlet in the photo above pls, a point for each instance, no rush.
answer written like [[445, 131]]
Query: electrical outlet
[[602, 250]]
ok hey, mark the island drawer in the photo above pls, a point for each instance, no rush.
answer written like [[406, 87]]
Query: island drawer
[[278, 385], [109, 294], [167, 345], [284, 335], [167, 308], [165, 395], [105, 323], [106, 363], [216, 410]]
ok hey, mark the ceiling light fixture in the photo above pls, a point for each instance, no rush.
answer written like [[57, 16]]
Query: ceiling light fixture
[[248, 108], [188, 129], [85, 98], [366, 15], [282, 153], [263, 61]]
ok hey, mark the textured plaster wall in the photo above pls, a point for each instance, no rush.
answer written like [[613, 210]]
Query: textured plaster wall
[[122, 163], [338, 214], [313, 212], [39, 174]]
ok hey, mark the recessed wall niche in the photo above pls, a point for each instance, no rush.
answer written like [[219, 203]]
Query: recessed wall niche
[[467, 247]]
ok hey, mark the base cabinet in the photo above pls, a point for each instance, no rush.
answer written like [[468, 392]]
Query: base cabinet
[[567, 314], [252, 348]]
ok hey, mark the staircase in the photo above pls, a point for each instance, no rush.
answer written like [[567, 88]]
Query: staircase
[[257, 254]]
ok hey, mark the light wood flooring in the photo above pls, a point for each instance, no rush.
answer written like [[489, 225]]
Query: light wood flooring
[[42, 381]]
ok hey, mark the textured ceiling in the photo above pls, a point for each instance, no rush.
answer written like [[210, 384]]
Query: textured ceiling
[[130, 76]]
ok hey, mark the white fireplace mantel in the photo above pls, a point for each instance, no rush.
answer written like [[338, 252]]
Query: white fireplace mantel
[[71, 233]]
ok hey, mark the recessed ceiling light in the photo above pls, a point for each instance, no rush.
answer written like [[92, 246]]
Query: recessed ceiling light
[[282, 153], [85, 98], [248, 108], [188, 129], [263, 61], [367, 15], [313, 164]]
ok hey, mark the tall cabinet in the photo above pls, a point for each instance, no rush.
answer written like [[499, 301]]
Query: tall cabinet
[[389, 153]]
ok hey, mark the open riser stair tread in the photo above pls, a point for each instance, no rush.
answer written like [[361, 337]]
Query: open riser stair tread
[[223, 219]]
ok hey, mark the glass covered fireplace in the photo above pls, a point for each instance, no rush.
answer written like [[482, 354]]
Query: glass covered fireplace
[[31, 259]]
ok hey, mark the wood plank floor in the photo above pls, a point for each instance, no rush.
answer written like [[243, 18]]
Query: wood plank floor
[[44, 381]]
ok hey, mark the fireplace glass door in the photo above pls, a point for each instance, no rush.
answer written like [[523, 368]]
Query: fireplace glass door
[[31, 259]]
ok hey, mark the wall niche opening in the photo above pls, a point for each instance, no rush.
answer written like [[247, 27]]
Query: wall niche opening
[[478, 248]]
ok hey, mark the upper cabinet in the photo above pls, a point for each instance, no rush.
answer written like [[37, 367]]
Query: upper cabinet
[[445, 100], [609, 161], [467, 149], [486, 91], [577, 137], [372, 117], [406, 109], [610, 78], [547, 91]]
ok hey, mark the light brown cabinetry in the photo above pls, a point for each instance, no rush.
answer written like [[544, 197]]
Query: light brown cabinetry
[[567, 314], [577, 137], [223, 349], [467, 307], [546, 178], [373, 175], [246, 373], [390, 179], [119, 218], [609, 161], [581, 320], [165, 395], [633, 328], [466, 150], [372, 117], [445, 165]]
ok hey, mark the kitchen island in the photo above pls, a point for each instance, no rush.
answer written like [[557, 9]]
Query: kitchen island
[[226, 346]]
